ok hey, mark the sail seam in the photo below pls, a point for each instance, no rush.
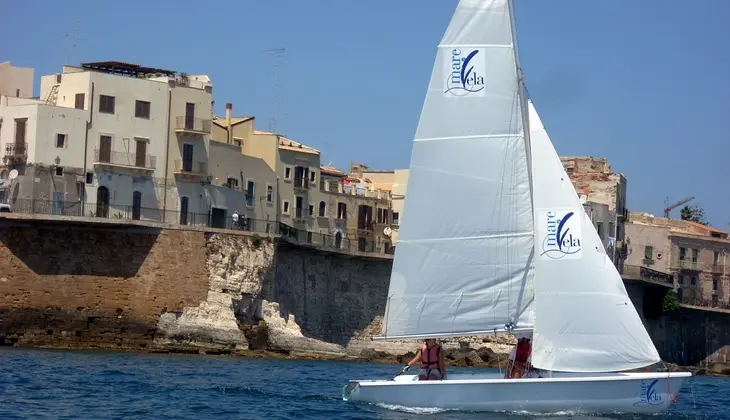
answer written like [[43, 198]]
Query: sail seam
[[477, 137], [475, 45], [501, 235]]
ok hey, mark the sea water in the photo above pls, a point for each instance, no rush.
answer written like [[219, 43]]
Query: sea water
[[48, 384]]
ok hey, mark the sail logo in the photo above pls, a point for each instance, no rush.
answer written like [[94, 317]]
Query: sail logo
[[561, 231], [647, 394], [465, 72]]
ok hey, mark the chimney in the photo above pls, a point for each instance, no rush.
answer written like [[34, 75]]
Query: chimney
[[229, 108]]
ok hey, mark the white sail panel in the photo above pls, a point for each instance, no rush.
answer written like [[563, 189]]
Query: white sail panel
[[464, 259], [585, 321]]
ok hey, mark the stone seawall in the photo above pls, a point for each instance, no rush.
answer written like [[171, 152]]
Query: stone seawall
[[135, 287]]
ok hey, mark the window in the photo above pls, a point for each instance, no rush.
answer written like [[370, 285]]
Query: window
[[17, 93], [232, 183], [682, 253], [237, 142], [311, 210], [695, 254], [322, 208], [648, 252], [396, 217], [286, 207], [59, 171], [250, 197], [89, 177], [142, 109], [380, 216], [715, 258], [312, 176], [269, 193], [287, 173], [715, 283], [341, 211], [385, 216], [599, 227], [692, 281], [106, 104], [61, 141], [79, 101]]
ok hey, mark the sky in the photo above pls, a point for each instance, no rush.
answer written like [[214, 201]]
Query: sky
[[644, 84]]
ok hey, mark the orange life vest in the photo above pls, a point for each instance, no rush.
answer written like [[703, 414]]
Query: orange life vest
[[430, 357], [522, 353]]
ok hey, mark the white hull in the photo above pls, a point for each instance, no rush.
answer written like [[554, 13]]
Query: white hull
[[563, 392]]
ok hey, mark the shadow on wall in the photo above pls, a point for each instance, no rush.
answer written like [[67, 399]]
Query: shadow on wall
[[332, 296], [78, 251], [686, 336]]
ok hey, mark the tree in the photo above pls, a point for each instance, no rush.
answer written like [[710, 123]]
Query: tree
[[693, 213]]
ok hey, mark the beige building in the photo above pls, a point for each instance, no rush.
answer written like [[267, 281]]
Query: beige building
[[16, 82], [319, 202], [697, 256]]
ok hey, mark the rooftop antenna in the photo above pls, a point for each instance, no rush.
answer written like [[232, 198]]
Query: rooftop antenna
[[278, 54], [74, 43]]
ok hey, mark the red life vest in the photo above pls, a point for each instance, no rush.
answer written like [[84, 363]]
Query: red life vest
[[430, 357], [522, 353]]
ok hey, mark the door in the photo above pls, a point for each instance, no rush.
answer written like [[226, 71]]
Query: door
[[183, 210], [218, 218], [105, 149], [136, 205], [141, 154], [250, 188], [58, 202], [189, 116], [102, 202], [300, 204], [187, 158]]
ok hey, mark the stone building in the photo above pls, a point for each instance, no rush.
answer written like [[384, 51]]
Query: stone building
[[695, 255]]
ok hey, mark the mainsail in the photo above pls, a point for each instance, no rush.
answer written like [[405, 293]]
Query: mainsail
[[585, 321], [465, 255]]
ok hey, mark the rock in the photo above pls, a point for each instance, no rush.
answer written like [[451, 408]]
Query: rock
[[371, 355], [405, 358], [462, 357], [486, 354]]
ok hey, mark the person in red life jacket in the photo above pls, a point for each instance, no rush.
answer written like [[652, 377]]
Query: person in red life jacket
[[519, 358], [431, 358]]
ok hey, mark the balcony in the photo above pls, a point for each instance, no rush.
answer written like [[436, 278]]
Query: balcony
[[687, 265], [190, 125], [718, 269], [301, 213], [301, 184], [16, 152], [364, 226], [191, 169], [124, 162], [633, 272]]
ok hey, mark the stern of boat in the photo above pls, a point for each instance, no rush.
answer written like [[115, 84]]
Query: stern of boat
[[348, 389]]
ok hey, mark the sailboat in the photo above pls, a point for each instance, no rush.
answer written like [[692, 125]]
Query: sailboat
[[518, 253]]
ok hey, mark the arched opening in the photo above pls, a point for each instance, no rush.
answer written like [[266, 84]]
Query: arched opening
[[183, 210], [338, 240], [136, 205], [102, 202], [322, 208]]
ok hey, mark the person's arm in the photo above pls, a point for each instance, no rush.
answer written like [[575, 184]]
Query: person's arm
[[416, 359], [442, 362]]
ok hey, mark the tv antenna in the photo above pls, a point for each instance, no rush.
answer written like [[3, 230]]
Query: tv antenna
[[72, 38], [278, 55]]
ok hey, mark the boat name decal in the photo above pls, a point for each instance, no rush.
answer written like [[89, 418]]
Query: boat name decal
[[465, 73], [562, 232], [647, 394]]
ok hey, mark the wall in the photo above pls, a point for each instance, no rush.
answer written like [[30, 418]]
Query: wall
[[639, 236], [16, 81]]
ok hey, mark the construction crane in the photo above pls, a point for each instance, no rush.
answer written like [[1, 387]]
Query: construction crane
[[669, 208]]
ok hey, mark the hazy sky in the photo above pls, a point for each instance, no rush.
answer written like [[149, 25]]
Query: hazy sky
[[643, 83]]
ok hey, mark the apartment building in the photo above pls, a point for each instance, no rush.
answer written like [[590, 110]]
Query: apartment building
[[311, 198], [695, 255], [16, 82]]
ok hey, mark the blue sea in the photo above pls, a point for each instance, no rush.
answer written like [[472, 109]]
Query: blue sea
[[51, 384]]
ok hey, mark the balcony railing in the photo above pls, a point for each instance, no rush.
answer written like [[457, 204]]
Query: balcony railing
[[687, 265], [301, 183], [16, 150], [193, 125], [718, 269], [365, 225], [191, 167], [125, 159], [635, 272]]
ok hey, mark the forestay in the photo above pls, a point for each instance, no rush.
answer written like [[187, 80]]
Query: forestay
[[585, 321], [464, 260]]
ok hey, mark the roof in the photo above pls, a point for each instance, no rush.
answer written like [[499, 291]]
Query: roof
[[120, 67], [222, 122], [289, 144], [331, 170]]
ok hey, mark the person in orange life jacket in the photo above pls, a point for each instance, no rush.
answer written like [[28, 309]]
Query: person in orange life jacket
[[431, 357], [519, 357]]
